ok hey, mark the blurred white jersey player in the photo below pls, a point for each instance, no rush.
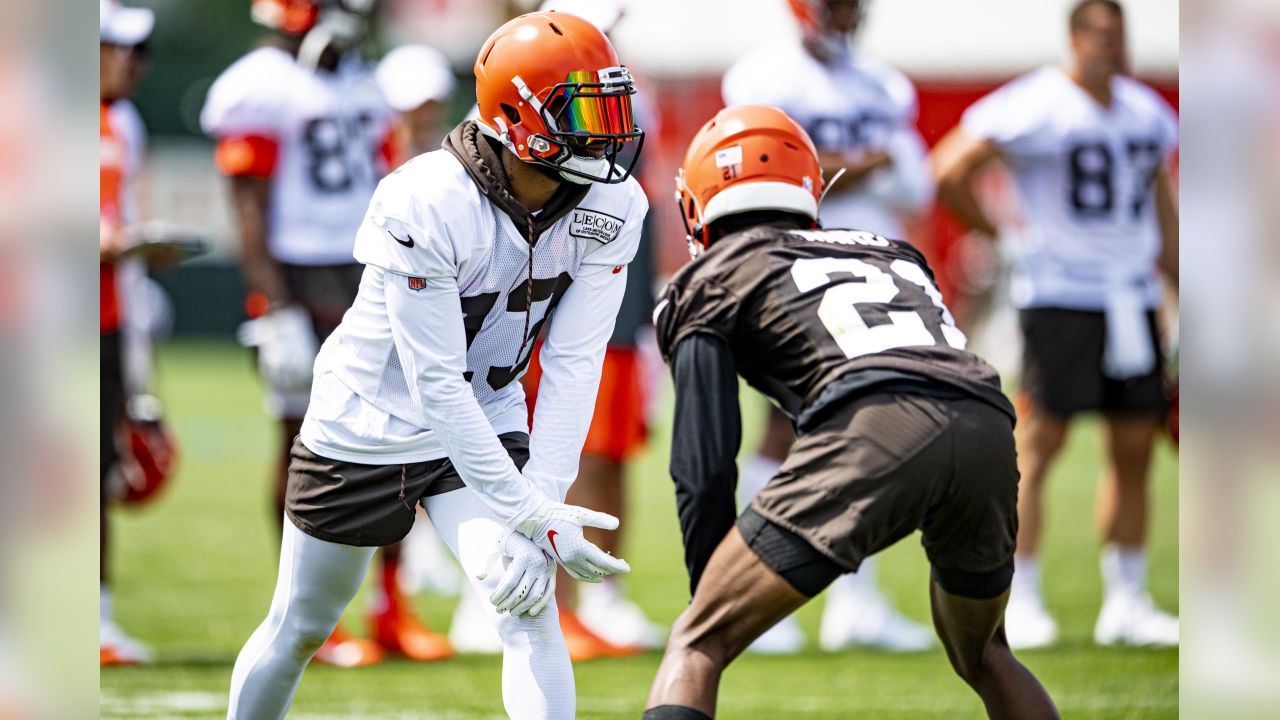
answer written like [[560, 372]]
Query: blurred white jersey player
[[861, 116], [302, 128], [1088, 149]]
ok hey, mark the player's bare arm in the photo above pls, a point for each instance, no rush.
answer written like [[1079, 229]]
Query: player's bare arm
[[1167, 214], [956, 161], [250, 200], [856, 169]]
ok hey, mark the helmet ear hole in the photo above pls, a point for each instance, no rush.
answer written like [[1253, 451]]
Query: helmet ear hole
[[555, 29], [512, 114]]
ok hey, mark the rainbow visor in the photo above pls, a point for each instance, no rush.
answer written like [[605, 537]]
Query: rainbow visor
[[592, 105]]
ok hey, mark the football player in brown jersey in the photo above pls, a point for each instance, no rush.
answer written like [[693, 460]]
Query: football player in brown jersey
[[898, 427]]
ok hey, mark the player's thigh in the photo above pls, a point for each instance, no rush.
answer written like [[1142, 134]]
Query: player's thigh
[[471, 532], [969, 535], [863, 478], [1062, 360]]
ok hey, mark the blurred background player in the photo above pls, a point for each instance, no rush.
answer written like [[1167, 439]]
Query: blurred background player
[[301, 125], [123, 33], [1089, 150], [861, 115], [601, 621]]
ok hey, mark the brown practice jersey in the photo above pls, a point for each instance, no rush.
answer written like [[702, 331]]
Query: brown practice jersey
[[817, 316]]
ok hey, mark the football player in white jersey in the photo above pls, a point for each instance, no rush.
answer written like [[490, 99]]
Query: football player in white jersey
[[525, 220], [861, 115], [1088, 148], [301, 126]]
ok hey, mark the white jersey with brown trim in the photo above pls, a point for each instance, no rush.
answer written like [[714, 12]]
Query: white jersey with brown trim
[[1084, 175], [428, 221]]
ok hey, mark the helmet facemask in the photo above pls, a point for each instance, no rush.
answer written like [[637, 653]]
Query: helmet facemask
[[587, 121]]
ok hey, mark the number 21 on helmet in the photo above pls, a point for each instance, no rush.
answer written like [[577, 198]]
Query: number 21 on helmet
[[746, 158]]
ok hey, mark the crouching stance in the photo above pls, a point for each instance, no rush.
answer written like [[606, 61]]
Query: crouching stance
[[467, 251], [899, 429]]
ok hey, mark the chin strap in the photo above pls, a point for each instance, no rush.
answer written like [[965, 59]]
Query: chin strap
[[834, 179]]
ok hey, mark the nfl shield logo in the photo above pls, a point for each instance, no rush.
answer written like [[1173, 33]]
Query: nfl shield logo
[[417, 283]]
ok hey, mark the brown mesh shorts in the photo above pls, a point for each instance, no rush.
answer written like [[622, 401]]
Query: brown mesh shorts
[[369, 505], [886, 465]]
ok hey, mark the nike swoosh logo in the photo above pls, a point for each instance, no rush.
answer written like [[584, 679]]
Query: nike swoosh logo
[[551, 538], [408, 244]]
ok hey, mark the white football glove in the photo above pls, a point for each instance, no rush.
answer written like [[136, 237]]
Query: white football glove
[[529, 582], [286, 345], [557, 529]]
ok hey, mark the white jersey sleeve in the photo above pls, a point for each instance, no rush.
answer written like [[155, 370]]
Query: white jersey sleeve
[[907, 186], [403, 232], [573, 353], [246, 97], [1011, 117]]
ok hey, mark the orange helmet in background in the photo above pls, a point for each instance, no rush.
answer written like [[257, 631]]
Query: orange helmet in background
[[323, 24], [817, 26], [747, 158], [550, 88]]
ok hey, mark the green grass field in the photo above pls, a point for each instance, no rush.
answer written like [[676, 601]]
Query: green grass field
[[194, 575]]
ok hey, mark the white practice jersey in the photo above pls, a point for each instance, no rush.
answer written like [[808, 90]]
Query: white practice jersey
[[426, 362], [1084, 175], [329, 129], [852, 105]]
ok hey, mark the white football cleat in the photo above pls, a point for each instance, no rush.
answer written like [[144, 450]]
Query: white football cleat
[[117, 647], [785, 638], [472, 628], [1027, 624], [608, 613], [1135, 620], [869, 621]]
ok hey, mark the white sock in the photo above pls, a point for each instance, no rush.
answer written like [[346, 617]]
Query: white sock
[[1026, 577], [1124, 571], [317, 580], [105, 615], [537, 678], [757, 471]]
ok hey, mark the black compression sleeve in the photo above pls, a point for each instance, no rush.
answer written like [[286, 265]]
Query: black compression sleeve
[[706, 435]]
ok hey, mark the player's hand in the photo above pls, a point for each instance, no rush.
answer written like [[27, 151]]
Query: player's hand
[[529, 581], [557, 529], [286, 346]]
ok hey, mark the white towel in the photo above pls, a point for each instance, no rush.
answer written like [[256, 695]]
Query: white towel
[[1128, 350]]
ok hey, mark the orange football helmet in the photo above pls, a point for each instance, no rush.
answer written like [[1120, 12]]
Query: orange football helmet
[[747, 158], [323, 24], [815, 20], [550, 88]]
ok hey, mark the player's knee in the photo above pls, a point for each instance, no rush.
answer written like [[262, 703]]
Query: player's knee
[[530, 631], [304, 636]]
